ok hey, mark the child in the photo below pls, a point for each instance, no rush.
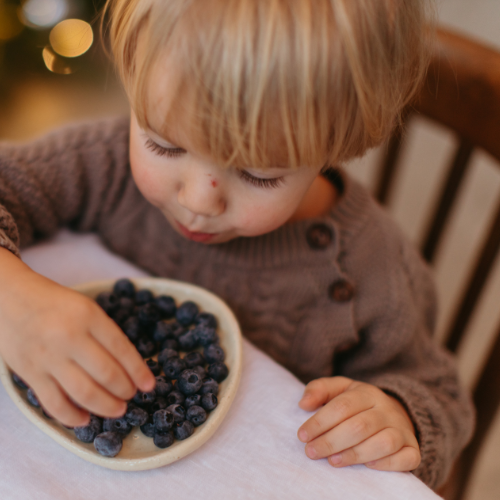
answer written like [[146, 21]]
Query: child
[[224, 177]]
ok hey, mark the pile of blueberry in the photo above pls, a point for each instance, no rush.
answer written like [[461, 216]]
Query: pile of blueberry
[[187, 390]]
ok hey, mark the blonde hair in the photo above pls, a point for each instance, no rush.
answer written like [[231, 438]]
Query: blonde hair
[[326, 79]]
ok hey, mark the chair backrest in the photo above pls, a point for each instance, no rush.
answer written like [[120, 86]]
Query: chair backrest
[[461, 92]]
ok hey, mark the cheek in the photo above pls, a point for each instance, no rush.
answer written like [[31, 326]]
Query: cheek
[[147, 178], [264, 217]]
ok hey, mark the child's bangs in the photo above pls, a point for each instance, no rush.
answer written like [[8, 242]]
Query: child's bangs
[[279, 83]]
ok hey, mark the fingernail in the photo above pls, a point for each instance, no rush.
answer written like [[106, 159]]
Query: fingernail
[[335, 459], [371, 464], [305, 397], [311, 452], [303, 436]]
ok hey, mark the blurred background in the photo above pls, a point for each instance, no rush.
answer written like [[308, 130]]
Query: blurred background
[[53, 71]]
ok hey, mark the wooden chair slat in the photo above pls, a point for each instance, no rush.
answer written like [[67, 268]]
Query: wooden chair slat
[[449, 192], [475, 286], [487, 401], [389, 167]]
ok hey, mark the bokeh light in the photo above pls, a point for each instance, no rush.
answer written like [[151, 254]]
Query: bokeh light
[[71, 37], [10, 26], [55, 63], [43, 13]]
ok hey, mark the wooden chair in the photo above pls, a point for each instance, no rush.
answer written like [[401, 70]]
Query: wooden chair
[[462, 92]]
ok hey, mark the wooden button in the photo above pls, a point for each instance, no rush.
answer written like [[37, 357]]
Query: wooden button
[[319, 236], [341, 291]]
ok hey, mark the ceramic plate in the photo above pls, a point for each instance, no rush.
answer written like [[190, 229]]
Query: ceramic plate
[[139, 452]]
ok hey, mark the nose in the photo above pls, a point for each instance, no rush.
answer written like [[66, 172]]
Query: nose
[[201, 195]]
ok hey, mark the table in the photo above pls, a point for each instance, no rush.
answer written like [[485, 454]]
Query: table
[[254, 454]]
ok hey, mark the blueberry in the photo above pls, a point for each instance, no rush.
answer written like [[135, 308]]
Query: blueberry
[[205, 334], [162, 331], [218, 371], [205, 318], [194, 399], [154, 366], [200, 371], [148, 429], [108, 301], [177, 411], [166, 354], [188, 340], [146, 348], [176, 397], [143, 297], [166, 306], [33, 400], [148, 314], [209, 401], [176, 330], [173, 367], [196, 415], [214, 353], [170, 344], [186, 313], [87, 433], [163, 387], [119, 425], [209, 385], [132, 328], [193, 359], [136, 416], [163, 420], [163, 440], [124, 288], [159, 404], [120, 316], [189, 382], [108, 443], [144, 398], [19, 381], [183, 430]]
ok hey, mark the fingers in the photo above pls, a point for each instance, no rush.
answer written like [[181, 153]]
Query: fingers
[[107, 333], [385, 443], [322, 390], [339, 409], [86, 392], [57, 404], [405, 460], [349, 433], [103, 368]]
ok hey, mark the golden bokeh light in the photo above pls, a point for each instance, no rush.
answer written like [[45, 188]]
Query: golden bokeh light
[[71, 37], [10, 26], [55, 63]]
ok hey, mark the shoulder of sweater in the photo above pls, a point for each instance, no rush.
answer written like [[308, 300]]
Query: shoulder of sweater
[[364, 225], [111, 133]]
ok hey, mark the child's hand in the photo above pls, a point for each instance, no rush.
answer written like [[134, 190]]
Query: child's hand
[[358, 424], [66, 348]]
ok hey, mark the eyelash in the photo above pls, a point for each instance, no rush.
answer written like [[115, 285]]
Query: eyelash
[[161, 151], [175, 152], [257, 181]]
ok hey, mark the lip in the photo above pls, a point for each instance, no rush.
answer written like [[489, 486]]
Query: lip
[[199, 237]]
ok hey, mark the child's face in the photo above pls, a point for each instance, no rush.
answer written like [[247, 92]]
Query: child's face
[[204, 202]]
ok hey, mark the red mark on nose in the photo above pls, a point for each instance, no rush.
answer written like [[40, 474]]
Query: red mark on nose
[[214, 183]]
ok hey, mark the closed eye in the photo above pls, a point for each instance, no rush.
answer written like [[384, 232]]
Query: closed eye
[[161, 151], [259, 182]]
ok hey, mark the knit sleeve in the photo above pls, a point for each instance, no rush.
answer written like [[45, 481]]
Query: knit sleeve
[[395, 312], [66, 178]]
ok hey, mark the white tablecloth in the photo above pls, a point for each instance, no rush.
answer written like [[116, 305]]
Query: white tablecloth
[[254, 454]]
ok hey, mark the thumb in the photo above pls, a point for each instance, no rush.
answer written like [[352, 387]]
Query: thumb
[[318, 392]]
